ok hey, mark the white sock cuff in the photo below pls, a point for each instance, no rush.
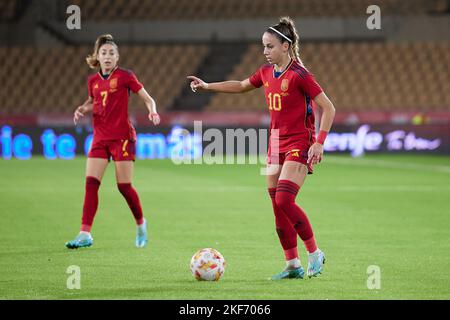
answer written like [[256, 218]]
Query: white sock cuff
[[293, 263]]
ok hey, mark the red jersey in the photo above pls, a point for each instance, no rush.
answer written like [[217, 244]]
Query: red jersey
[[289, 98], [110, 96]]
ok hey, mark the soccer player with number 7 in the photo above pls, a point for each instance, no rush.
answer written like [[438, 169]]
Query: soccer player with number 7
[[290, 90], [114, 135]]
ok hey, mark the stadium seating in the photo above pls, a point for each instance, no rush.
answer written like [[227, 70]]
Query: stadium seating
[[53, 80], [116, 10], [356, 76], [8, 9], [361, 76]]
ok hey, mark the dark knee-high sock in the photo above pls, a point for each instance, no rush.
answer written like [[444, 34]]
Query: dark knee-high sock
[[90, 203], [286, 233], [285, 199], [132, 197]]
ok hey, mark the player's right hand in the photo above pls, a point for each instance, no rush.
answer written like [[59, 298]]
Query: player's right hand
[[197, 84], [78, 114]]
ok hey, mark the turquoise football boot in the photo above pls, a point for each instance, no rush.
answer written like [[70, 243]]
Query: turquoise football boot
[[297, 273], [141, 235], [315, 263], [82, 240]]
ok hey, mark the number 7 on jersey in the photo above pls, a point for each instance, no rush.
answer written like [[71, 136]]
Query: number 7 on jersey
[[104, 95]]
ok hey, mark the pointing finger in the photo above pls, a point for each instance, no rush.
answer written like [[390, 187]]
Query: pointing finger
[[193, 78]]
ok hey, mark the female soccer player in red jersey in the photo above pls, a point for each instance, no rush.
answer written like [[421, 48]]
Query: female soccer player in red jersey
[[114, 135], [293, 148]]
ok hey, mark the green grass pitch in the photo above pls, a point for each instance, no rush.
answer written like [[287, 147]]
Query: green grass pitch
[[389, 211]]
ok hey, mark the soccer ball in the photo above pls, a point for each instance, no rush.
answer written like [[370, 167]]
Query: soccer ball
[[207, 264]]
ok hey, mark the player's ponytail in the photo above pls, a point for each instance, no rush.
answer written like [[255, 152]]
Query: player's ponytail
[[288, 32], [92, 59]]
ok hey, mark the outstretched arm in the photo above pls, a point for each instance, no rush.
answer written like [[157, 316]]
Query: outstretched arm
[[315, 153], [86, 107], [151, 106], [232, 86]]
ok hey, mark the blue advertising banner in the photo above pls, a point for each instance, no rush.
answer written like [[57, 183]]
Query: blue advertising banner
[[165, 142]]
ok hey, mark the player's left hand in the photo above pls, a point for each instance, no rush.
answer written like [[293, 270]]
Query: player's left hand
[[155, 118], [315, 153]]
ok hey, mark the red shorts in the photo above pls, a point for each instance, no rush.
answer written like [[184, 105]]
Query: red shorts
[[299, 154], [118, 150]]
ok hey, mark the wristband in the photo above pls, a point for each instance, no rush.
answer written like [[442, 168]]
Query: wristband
[[322, 136]]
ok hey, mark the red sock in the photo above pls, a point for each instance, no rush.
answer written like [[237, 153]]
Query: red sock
[[286, 233], [310, 244], [133, 201], [285, 199], [90, 203]]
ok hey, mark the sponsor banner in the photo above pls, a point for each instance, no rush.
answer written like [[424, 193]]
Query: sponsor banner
[[365, 138], [23, 142]]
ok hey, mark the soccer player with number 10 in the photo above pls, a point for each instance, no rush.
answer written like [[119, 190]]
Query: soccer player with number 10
[[290, 90]]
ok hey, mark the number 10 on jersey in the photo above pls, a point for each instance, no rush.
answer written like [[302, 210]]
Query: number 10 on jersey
[[274, 101]]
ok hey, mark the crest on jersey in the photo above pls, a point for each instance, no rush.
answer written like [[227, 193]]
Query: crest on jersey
[[96, 86], [113, 83], [285, 84]]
